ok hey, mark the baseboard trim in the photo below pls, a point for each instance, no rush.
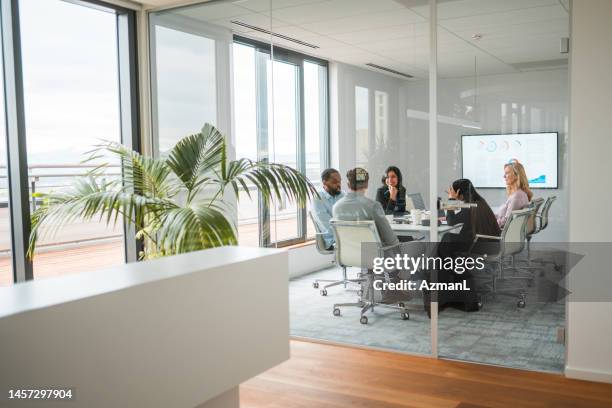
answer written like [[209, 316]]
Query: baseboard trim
[[588, 375]]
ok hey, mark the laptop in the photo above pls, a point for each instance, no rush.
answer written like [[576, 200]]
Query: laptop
[[415, 202]]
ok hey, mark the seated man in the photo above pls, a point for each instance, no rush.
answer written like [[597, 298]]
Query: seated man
[[329, 195], [357, 207]]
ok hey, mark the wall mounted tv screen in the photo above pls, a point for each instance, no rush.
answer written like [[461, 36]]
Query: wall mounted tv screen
[[483, 158]]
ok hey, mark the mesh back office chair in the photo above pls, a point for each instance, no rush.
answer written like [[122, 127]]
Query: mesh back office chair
[[349, 237], [323, 250], [542, 224], [512, 241], [533, 226], [543, 217]]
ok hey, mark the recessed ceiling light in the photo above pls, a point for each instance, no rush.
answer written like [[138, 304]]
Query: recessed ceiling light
[[476, 36]]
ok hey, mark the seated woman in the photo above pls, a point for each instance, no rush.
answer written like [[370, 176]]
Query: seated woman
[[476, 220], [392, 195], [517, 189]]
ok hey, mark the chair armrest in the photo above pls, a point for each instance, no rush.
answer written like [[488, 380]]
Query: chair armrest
[[386, 248], [483, 236], [477, 236]]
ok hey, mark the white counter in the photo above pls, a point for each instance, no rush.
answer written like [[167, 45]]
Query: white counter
[[176, 331]]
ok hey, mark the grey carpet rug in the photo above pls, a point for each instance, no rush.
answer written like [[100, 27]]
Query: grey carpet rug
[[499, 334]]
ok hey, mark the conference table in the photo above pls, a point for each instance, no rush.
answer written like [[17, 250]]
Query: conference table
[[418, 229]]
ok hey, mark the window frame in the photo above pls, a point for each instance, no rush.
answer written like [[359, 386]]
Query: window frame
[[19, 196], [281, 54]]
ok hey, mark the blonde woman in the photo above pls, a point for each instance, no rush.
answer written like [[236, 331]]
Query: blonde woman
[[517, 188]]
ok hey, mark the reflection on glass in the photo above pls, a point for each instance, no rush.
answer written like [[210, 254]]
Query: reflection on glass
[[362, 126], [282, 145], [489, 85], [71, 103], [381, 117], [186, 84], [245, 131], [315, 120]]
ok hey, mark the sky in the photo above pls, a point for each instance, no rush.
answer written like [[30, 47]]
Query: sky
[[70, 79]]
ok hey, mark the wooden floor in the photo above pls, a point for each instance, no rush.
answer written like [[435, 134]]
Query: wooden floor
[[321, 376]]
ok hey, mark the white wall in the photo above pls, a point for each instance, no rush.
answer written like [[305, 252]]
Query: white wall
[[343, 80], [535, 102], [541, 95], [306, 259], [589, 353]]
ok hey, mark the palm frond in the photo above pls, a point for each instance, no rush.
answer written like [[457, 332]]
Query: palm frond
[[185, 229], [86, 200], [271, 179], [145, 175], [197, 155]]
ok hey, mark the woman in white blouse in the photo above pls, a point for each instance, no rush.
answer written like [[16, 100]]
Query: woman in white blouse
[[517, 188]]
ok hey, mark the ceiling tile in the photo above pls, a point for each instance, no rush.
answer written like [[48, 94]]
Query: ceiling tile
[[480, 22], [331, 10], [363, 22], [211, 11]]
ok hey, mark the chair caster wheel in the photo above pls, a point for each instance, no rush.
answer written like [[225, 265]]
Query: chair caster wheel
[[520, 304], [315, 285], [405, 316], [323, 292], [400, 304], [363, 320], [336, 311]]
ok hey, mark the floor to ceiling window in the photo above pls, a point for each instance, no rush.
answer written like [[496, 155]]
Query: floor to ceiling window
[[280, 115], [76, 94], [62, 126], [6, 270]]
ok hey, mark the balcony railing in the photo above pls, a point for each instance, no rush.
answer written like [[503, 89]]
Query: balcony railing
[[46, 178]]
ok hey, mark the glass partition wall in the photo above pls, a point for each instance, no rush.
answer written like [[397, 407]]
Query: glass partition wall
[[502, 100], [347, 84], [270, 102], [370, 46]]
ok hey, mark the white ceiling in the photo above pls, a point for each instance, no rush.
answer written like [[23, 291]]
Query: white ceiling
[[516, 34]]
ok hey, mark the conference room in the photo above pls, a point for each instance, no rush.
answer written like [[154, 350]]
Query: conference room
[[454, 117], [325, 85]]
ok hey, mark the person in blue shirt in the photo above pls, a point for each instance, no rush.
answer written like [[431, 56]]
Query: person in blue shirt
[[330, 193]]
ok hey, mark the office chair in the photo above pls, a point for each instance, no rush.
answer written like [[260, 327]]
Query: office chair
[[512, 241], [532, 227], [543, 221], [323, 250], [350, 235]]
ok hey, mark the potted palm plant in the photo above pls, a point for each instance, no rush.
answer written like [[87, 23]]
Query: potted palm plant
[[176, 204]]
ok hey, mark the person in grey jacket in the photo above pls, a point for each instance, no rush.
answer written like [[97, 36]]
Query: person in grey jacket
[[355, 206]]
